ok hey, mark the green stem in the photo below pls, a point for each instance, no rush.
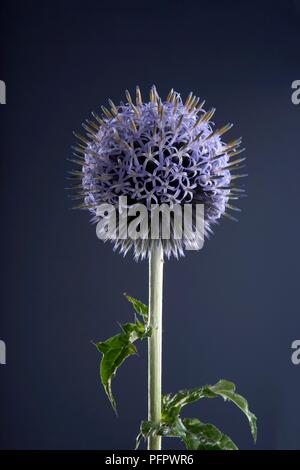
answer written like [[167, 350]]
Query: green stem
[[156, 263]]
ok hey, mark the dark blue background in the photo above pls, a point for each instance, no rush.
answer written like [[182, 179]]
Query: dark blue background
[[231, 310]]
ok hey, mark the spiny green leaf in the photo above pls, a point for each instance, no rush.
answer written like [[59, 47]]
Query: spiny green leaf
[[117, 348], [226, 390], [136, 330], [146, 429], [202, 436], [172, 404], [140, 308], [194, 434]]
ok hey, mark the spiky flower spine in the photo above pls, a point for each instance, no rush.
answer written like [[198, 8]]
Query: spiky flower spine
[[157, 152]]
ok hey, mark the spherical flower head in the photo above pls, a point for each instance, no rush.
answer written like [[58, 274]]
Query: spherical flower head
[[158, 152]]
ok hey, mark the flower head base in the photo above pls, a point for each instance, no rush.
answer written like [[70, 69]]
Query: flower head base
[[158, 152]]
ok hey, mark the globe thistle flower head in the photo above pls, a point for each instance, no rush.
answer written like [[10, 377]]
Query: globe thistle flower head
[[157, 152]]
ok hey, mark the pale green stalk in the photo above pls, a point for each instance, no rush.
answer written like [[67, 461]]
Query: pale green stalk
[[156, 263]]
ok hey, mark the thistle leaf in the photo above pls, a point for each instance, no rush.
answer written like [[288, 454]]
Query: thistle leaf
[[226, 390], [201, 436], [193, 433], [140, 308], [172, 405], [117, 348], [147, 429]]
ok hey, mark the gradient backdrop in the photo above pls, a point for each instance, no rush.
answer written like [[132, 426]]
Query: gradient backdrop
[[231, 310]]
